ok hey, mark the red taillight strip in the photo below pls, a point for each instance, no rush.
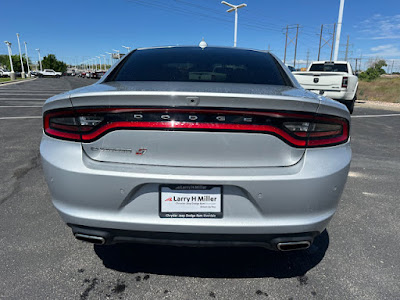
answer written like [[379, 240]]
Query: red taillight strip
[[297, 139], [187, 125], [63, 135]]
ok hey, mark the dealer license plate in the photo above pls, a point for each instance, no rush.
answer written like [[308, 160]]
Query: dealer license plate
[[190, 201]]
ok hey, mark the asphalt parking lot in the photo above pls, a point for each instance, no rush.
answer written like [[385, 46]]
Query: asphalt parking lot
[[357, 257]]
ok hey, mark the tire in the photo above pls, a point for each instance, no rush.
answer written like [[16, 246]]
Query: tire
[[350, 106]]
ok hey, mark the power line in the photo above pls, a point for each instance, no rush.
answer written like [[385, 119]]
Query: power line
[[184, 11]]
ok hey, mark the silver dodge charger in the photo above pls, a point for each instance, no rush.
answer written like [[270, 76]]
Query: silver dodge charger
[[196, 146]]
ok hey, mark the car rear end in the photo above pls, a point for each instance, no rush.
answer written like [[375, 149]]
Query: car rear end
[[217, 147], [328, 78]]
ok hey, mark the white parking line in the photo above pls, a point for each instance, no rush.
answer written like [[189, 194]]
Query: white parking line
[[21, 99], [32, 91], [3, 106], [376, 116], [15, 118], [26, 94]]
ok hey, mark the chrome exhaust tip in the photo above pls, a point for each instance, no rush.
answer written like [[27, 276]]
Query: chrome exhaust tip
[[291, 246], [98, 240]]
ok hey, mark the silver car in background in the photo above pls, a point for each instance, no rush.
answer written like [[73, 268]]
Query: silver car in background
[[192, 146]]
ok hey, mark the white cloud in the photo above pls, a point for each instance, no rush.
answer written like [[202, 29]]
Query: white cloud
[[385, 51], [386, 37], [380, 27], [382, 47]]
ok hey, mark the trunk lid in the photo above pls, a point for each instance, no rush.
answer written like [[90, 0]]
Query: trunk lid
[[197, 103]]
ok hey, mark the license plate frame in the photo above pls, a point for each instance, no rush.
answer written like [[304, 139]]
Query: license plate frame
[[213, 210]]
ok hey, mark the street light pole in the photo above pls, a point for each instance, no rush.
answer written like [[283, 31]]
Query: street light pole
[[234, 8], [111, 61], [20, 56], [101, 67], [40, 61], [95, 62], [12, 73], [27, 61], [127, 48], [105, 63], [339, 29]]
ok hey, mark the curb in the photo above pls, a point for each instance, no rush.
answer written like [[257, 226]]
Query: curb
[[17, 81], [377, 104]]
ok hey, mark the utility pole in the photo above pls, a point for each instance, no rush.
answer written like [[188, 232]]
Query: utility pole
[[295, 47], [333, 37], [339, 29], [320, 40], [326, 41], [347, 48], [308, 57], [293, 40], [284, 57], [391, 70]]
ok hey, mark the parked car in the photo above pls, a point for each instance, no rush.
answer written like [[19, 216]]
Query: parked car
[[333, 79], [97, 74], [4, 72], [49, 73], [184, 145]]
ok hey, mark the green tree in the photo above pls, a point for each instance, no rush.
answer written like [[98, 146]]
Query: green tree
[[5, 61], [51, 62], [374, 71]]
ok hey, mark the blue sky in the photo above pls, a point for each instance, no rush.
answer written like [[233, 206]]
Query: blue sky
[[78, 30]]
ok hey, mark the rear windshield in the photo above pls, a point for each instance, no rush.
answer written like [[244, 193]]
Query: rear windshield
[[196, 65], [329, 67]]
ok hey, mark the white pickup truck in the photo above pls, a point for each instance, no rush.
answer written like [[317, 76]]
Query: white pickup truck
[[333, 79], [49, 73]]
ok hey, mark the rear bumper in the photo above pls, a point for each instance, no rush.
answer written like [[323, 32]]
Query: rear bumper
[[341, 96], [269, 241], [271, 201]]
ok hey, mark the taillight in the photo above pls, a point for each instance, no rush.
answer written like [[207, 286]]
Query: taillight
[[66, 124], [345, 82], [321, 131], [296, 129]]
